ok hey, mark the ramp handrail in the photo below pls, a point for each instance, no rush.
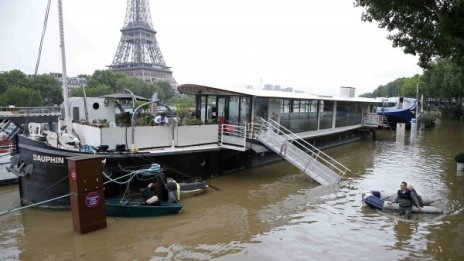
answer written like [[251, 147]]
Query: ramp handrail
[[308, 147]]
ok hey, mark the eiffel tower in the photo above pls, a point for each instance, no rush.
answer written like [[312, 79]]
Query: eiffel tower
[[138, 54]]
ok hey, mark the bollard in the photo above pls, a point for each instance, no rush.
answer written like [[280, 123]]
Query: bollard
[[400, 129], [414, 125]]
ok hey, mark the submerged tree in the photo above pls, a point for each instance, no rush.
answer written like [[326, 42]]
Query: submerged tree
[[428, 28]]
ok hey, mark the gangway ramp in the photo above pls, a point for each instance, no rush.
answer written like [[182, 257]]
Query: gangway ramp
[[307, 158]]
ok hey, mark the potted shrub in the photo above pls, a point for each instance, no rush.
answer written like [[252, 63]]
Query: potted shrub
[[428, 120], [459, 158]]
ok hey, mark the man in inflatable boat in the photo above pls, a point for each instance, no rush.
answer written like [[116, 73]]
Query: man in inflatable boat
[[391, 202], [405, 198]]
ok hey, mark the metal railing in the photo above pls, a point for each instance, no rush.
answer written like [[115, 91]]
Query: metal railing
[[233, 136], [31, 111], [301, 148]]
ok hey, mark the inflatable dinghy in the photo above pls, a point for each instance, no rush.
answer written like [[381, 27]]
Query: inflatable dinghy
[[375, 200]]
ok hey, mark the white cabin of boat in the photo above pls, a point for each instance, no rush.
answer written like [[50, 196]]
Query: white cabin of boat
[[306, 115]]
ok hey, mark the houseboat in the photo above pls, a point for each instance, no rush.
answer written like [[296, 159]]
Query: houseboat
[[397, 110], [225, 140]]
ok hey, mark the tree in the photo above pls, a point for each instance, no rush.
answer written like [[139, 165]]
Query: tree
[[99, 90], [405, 87], [105, 77], [13, 78], [49, 87], [428, 28], [21, 97], [166, 89], [409, 88], [444, 80], [105, 82]]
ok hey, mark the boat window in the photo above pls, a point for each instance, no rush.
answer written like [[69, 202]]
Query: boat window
[[296, 106], [301, 117], [285, 106], [244, 110], [261, 108], [234, 103], [221, 109], [212, 109], [326, 114], [96, 106], [386, 104], [348, 114]]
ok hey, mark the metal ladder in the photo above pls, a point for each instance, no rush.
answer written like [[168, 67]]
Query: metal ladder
[[309, 159]]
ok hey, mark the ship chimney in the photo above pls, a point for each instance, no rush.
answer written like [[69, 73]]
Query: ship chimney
[[346, 91]]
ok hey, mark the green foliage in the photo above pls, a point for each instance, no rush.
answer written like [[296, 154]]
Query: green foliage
[[444, 80], [426, 28], [103, 77], [13, 78], [99, 90], [166, 90], [182, 98], [105, 82], [409, 87], [19, 90], [459, 157], [145, 119], [391, 89], [50, 89], [182, 112], [194, 121], [21, 97], [428, 120], [104, 123]]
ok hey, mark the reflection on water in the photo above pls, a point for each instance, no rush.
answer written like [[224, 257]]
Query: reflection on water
[[276, 213]]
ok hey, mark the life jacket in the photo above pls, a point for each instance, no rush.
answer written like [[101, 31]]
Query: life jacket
[[404, 199], [173, 186]]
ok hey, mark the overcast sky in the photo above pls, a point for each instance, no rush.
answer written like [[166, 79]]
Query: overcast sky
[[315, 46]]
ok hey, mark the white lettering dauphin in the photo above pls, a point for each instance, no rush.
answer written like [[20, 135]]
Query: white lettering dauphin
[[48, 159]]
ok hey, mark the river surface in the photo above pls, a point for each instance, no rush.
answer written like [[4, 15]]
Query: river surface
[[276, 213]]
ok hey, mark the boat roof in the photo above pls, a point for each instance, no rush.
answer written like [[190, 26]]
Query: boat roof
[[193, 89], [125, 96]]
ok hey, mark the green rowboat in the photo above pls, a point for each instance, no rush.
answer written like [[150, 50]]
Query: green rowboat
[[138, 208]]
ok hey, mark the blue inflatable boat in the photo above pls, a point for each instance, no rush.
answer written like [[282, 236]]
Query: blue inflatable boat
[[383, 201]]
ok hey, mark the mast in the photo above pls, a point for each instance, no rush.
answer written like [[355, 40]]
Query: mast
[[67, 117]]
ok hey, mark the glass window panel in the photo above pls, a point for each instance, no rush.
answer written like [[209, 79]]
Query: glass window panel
[[244, 110], [326, 114], [233, 109], [261, 108]]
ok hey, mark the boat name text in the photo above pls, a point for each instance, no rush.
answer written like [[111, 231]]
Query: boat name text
[[48, 159]]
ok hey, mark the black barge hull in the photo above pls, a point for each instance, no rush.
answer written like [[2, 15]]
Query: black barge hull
[[49, 176]]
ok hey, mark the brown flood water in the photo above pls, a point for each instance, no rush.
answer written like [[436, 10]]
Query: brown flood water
[[276, 213]]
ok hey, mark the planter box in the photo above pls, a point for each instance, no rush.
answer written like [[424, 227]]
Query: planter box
[[196, 134], [145, 136]]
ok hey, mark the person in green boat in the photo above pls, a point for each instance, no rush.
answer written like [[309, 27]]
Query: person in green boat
[[173, 190], [149, 195]]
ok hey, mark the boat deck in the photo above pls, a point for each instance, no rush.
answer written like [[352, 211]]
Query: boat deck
[[186, 149], [317, 133]]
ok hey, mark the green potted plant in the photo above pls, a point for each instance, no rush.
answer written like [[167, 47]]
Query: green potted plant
[[459, 158]]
